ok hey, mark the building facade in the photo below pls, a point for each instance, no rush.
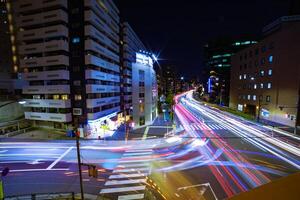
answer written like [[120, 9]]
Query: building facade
[[10, 83], [265, 77], [130, 44], [144, 90], [69, 55]]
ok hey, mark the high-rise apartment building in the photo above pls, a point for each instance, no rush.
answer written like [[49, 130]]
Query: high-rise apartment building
[[69, 54], [130, 44], [265, 77]]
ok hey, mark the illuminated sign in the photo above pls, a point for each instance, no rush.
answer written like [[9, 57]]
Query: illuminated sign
[[144, 59], [265, 112]]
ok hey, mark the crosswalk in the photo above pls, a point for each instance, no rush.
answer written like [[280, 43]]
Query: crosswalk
[[128, 180], [202, 127]]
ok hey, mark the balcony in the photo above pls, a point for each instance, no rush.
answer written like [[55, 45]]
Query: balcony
[[95, 6], [127, 80], [47, 103], [94, 60], [54, 45], [46, 32], [92, 103], [47, 75], [96, 21], [127, 72], [45, 61], [27, 5], [127, 97], [54, 117], [94, 116], [94, 46], [93, 74], [127, 89], [46, 89], [92, 31], [42, 18], [91, 88]]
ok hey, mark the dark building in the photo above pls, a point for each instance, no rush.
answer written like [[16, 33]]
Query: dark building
[[169, 79], [217, 57]]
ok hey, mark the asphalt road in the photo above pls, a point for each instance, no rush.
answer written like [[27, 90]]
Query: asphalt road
[[233, 155], [212, 155]]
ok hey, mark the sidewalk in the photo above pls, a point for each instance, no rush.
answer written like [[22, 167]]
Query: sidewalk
[[43, 134], [157, 129]]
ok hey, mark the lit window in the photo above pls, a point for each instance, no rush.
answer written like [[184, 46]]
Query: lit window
[[262, 73], [268, 98], [56, 96], [261, 85], [255, 86], [252, 78], [270, 72], [249, 96], [77, 97], [245, 76], [76, 40], [240, 77], [254, 97], [269, 85], [270, 59], [64, 97]]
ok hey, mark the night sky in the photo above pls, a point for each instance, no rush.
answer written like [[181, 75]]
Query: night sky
[[179, 29]]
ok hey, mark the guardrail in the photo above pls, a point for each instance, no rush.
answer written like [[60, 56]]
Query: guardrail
[[44, 196], [13, 133]]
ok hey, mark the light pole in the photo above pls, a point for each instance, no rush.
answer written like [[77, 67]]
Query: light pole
[[79, 164]]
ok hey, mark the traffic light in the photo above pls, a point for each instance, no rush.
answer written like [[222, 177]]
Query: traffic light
[[93, 172]]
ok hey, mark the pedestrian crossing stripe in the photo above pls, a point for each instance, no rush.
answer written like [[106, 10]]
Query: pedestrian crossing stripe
[[196, 127]]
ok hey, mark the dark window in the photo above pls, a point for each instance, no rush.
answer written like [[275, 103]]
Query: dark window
[[271, 45], [268, 98], [250, 53], [256, 51], [142, 120], [263, 48]]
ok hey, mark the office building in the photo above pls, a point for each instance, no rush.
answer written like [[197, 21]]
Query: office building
[[130, 44], [217, 58], [265, 76], [69, 54], [144, 90]]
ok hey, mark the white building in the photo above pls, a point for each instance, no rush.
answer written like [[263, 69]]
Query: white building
[[144, 90]]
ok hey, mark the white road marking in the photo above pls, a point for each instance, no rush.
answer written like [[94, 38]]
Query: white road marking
[[131, 197], [119, 176], [134, 161], [136, 154], [133, 165], [36, 170], [131, 170], [133, 181], [59, 159], [122, 189], [29, 154]]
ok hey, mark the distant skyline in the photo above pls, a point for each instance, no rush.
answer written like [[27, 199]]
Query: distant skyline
[[179, 30]]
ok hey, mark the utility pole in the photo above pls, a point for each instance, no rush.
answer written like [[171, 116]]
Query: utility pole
[[297, 110], [79, 165], [258, 109]]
